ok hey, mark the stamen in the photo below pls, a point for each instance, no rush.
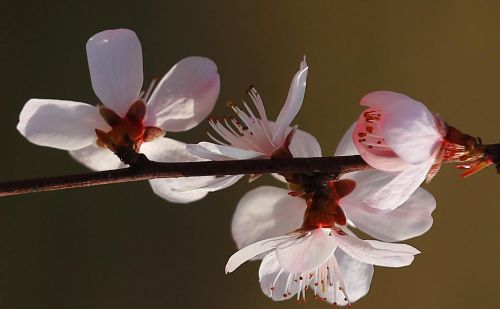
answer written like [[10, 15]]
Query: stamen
[[287, 286], [216, 140], [316, 282], [275, 280], [150, 90], [338, 275]]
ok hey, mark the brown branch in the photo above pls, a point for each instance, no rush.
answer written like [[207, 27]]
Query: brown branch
[[150, 169]]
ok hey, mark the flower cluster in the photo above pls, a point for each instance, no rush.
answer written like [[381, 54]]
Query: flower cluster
[[304, 234]]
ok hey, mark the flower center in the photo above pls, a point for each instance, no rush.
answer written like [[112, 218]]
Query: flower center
[[252, 131], [368, 132], [126, 132]]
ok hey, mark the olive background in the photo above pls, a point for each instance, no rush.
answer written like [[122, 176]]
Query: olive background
[[121, 246]]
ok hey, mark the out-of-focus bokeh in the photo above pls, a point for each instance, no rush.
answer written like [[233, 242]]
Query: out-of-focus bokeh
[[121, 246]]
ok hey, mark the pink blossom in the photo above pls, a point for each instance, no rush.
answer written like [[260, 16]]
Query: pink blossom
[[253, 135], [128, 117], [401, 139], [330, 261]]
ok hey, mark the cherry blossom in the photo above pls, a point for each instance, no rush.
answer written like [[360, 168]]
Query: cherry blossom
[[128, 118], [253, 135], [325, 258], [406, 144]]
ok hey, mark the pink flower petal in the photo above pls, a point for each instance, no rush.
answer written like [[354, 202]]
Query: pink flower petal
[[408, 127], [171, 188], [266, 212], [115, 63], [411, 219], [167, 150], [214, 184], [383, 190], [385, 99], [306, 253], [185, 96], [217, 152], [190, 189], [304, 145], [253, 250], [346, 146], [97, 158], [177, 190], [59, 124], [292, 105], [376, 252]]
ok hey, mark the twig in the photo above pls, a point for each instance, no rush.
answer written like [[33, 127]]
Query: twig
[[150, 169]]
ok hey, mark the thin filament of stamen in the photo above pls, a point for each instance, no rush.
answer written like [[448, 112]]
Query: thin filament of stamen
[[275, 280], [149, 90]]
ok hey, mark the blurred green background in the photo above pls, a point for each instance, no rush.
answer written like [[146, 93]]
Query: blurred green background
[[121, 246]]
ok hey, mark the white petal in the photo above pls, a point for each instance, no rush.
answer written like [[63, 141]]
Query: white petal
[[306, 253], [412, 218], [166, 188], [346, 146], [384, 190], [59, 124], [115, 63], [273, 280], [293, 103], [167, 150], [97, 158], [266, 212], [253, 250], [376, 252], [357, 279], [175, 190], [401, 248], [185, 96], [304, 145], [408, 127], [190, 189], [217, 152], [212, 184]]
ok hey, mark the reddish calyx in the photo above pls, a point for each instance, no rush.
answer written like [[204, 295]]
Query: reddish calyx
[[126, 132], [323, 210], [467, 151]]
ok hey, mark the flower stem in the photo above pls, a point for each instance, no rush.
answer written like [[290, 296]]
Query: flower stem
[[334, 166]]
